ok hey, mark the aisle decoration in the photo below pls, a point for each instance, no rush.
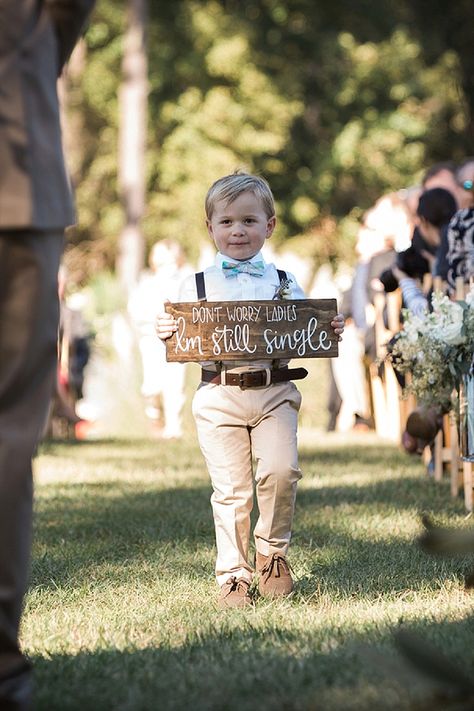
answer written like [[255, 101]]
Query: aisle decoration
[[437, 350]]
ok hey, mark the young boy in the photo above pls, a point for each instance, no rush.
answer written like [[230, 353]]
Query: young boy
[[236, 423]]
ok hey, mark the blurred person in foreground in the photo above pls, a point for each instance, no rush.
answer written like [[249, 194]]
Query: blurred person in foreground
[[163, 382], [36, 39]]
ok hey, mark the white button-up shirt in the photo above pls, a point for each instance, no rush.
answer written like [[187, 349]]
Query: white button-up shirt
[[239, 287]]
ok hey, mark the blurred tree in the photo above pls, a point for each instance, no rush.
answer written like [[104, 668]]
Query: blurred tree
[[228, 117], [92, 104], [133, 122], [438, 26], [335, 103]]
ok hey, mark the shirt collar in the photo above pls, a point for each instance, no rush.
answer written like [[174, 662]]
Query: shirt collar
[[222, 258]]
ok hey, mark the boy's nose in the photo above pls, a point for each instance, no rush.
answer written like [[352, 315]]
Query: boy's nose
[[238, 229]]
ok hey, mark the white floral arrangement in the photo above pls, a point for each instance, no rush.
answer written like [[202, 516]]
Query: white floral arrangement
[[437, 349]]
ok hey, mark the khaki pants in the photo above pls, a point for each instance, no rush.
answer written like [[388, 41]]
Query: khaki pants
[[235, 426]]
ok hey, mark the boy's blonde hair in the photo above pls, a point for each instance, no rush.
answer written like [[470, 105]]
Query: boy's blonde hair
[[230, 187]]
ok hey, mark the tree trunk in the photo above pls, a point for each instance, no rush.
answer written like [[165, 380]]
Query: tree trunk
[[132, 141]]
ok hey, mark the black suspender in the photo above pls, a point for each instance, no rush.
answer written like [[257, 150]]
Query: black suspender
[[200, 286], [281, 275]]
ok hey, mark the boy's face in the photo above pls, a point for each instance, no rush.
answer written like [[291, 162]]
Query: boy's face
[[239, 229]]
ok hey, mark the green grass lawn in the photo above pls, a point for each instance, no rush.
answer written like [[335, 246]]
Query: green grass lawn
[[122, 613]]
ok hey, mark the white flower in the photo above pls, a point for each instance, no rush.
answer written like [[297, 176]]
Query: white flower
[[412, 328], [448, 329]]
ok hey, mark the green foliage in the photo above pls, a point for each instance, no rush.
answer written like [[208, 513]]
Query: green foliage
[[335, 105]]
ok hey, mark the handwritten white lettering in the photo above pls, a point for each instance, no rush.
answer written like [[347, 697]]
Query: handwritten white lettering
[[184, 343], [300, 340], [287, 312], [206, 314], [232, 340], [243, 313]]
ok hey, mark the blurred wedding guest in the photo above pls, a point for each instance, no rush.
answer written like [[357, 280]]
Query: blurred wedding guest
[[36, 39], [73, 355], [435, 209], [163, 383], [439, 175], [348, 397], [385, 227], [443, 175], [460, 255], [419, 258]]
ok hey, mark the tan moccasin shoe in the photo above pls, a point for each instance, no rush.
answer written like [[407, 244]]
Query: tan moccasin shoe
[[274, 575], [235, 593]]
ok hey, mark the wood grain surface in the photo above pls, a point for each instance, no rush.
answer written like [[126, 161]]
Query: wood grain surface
[[252, 330]]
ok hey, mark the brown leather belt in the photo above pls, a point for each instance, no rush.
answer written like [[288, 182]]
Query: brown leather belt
[[254, 378]]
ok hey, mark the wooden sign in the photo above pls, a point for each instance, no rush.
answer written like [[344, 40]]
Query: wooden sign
[[252, 330]]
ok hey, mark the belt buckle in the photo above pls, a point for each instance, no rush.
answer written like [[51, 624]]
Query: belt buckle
[[253, 374]]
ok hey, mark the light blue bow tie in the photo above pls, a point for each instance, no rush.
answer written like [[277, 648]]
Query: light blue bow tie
[[234, 268]]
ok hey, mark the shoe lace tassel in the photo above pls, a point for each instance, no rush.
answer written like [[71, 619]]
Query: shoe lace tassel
[[275, 562]]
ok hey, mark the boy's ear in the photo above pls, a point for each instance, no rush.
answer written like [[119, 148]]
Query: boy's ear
[[270, 226], [209, 227]]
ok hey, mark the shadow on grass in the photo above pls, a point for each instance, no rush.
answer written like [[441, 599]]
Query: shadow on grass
[[94, 531], [92, 526], [156, 453], [375, 571], [416, 493], [103, 528], [234, 667], [327, 519]]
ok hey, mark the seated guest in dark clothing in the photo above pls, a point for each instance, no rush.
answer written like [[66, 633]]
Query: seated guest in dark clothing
[[435, 210]]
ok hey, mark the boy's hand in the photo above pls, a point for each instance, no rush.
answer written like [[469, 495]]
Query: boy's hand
[[337, 324], [165, 325]]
